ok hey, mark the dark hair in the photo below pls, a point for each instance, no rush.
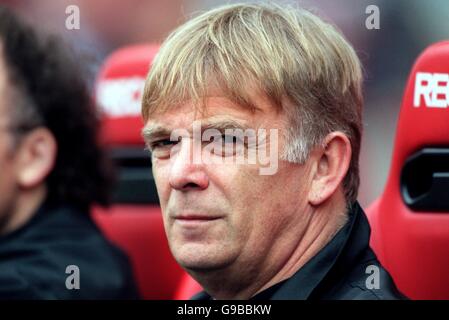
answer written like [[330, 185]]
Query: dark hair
[[49, 90]]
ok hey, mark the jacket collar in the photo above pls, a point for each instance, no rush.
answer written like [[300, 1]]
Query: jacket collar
[[331, 262]]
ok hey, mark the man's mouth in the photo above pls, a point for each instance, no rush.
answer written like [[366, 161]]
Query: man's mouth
[[195, 219]]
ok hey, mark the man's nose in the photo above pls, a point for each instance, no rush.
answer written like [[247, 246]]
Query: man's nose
[[185, 173]]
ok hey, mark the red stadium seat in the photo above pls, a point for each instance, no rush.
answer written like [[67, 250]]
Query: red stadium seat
[[410, 220], [187, 288], [134, 222], [139, 231]]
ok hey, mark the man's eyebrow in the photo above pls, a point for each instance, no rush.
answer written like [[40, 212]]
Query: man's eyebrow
[[223, 124], [154, 131]]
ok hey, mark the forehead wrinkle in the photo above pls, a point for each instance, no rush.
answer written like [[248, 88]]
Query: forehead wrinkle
[[220, 122], [200, 105]]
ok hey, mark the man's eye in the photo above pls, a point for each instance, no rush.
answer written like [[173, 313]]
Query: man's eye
[[162, 148], [227, 145], [227, 139], [162, 143]]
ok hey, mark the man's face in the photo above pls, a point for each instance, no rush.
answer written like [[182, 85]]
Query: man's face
[[227, 215], [8, 185]]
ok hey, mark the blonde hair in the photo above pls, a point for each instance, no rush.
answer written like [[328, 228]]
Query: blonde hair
[[301, 63]]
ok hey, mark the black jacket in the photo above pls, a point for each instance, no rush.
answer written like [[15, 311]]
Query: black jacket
[[34, 258], [346, 268]]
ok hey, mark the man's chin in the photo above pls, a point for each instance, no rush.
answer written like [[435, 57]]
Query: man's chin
[[198, 257]]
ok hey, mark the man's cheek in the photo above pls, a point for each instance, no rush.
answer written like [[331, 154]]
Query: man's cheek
[[160, 175], [162, 183]]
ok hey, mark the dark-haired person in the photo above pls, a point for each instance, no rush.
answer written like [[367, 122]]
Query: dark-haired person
[[51, 171]]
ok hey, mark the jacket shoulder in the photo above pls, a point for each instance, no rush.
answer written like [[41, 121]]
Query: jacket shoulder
[[369, 281]]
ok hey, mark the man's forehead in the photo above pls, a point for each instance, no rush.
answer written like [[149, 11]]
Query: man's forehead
[[215, 109]]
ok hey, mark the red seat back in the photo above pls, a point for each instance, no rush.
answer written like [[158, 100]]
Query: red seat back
[[187, 288], [139, 231], [410, 221], [118, 94]]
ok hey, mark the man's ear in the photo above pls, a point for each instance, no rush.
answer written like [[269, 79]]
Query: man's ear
[[331, 163], [35, 157]]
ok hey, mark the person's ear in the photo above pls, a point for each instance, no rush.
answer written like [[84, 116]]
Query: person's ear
[[35, 157], [331, 163]]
